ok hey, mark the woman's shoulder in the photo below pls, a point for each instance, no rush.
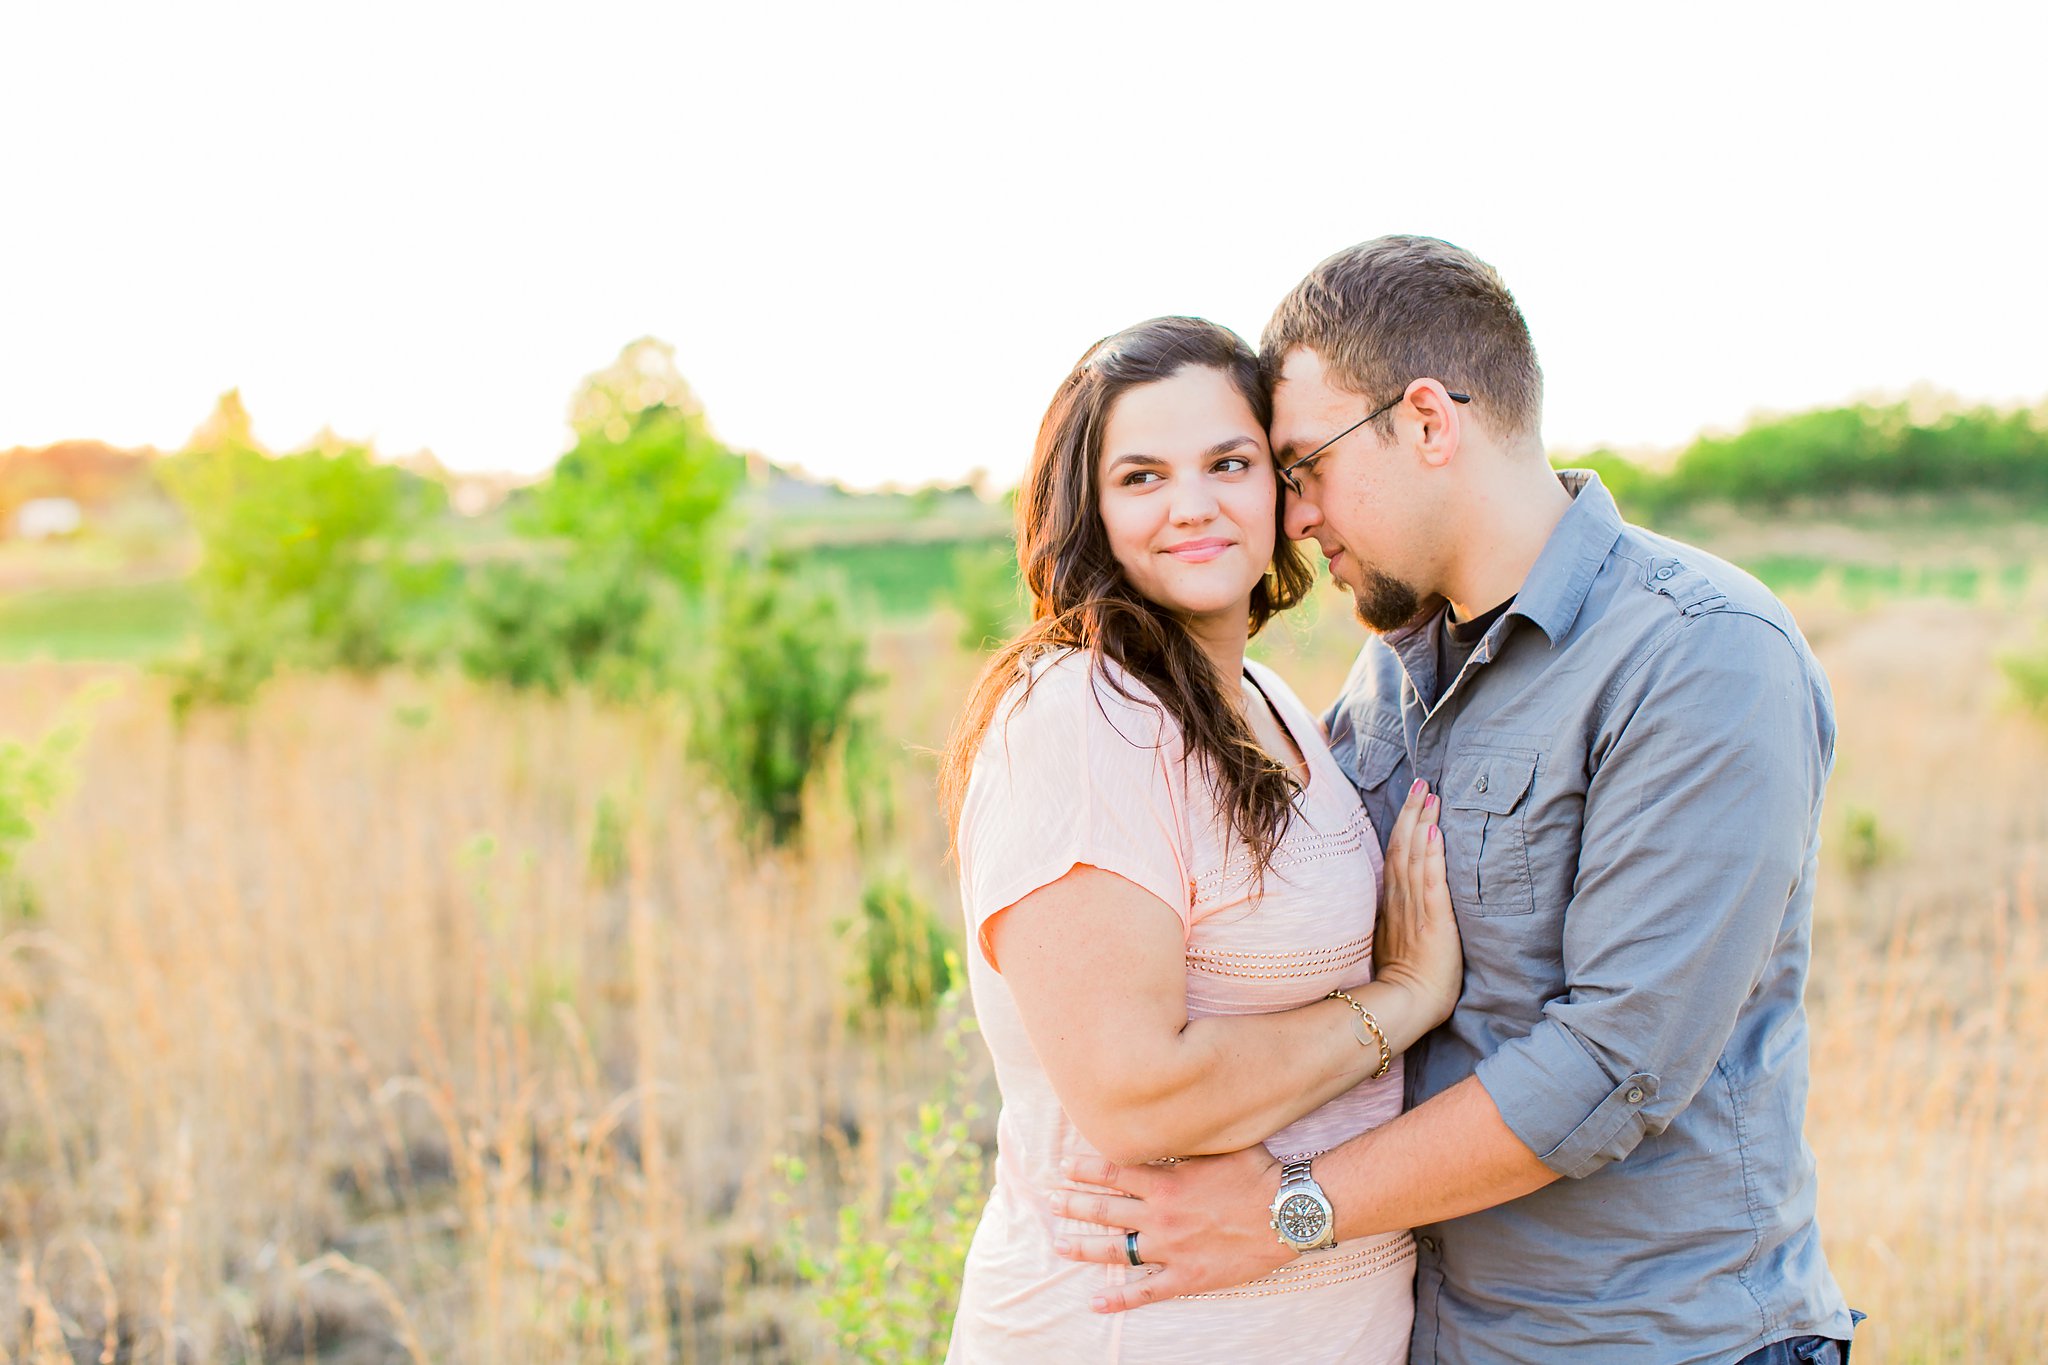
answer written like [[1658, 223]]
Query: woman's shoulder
[[1073, 692]]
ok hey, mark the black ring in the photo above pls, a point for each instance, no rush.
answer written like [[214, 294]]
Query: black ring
[[1131, 1248]]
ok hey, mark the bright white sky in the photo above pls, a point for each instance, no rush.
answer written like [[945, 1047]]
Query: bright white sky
[[877, 235]]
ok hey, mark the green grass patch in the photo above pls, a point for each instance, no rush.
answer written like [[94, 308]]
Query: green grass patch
[[124, 621], [1788, 573], [895, 578]]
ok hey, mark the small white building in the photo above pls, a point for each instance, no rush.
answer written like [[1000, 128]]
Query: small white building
[[42, 518]]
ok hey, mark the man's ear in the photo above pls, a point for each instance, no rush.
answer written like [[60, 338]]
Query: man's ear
[[1438, 425]]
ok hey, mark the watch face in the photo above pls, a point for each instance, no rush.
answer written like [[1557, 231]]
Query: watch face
[[1302, 1218]]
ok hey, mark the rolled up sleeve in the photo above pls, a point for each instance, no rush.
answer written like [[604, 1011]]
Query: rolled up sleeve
[[1700, 822]]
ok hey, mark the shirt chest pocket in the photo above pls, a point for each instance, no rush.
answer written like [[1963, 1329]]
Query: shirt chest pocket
[[1486, 795], [1374, 764]]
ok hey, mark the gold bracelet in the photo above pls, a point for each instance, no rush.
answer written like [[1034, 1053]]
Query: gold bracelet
[[1365, 1018]]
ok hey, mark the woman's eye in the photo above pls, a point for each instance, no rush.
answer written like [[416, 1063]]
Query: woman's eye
[[1138, 476], [1232, 464]]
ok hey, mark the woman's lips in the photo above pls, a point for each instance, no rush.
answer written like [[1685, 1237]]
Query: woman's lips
[[1198, 551]]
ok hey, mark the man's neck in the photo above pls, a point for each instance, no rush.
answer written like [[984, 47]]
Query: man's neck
[[1504, 529]]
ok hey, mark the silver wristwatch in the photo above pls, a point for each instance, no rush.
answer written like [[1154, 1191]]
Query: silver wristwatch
[[1301, 1211]]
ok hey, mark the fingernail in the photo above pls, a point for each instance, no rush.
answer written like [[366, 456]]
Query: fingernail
[[1100, 1305], [1067, 1167], [1429, 803], [1419, 785], [1062, 1247], [1058, 1203], [1434, 834]]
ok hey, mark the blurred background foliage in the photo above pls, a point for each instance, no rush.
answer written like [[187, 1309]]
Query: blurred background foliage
[[1833, 454]]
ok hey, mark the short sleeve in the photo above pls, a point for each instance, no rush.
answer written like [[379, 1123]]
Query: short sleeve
[[1075, 773]]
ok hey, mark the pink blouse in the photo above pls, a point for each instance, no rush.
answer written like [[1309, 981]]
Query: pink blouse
[[1077, 775]]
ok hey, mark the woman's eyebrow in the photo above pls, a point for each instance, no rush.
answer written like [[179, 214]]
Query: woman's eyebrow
[[1222, 447]]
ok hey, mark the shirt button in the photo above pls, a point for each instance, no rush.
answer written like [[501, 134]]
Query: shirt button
[[1480, 785], [1428, 1244], [1635, 1094], [1666, 571]]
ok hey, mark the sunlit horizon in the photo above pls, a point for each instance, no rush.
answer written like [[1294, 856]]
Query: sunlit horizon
[[877, 242]]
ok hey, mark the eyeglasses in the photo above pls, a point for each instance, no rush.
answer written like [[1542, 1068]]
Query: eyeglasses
[[1286, 471]]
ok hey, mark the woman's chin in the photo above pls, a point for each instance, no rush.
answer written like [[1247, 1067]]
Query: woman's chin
[[1193, 607]]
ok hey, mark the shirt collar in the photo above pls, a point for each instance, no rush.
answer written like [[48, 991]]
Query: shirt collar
[[1563, 574]]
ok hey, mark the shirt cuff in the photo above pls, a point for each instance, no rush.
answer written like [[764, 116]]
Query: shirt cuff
[[1561, 1105]]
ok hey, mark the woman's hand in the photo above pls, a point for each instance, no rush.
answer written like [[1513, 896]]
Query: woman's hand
[[1415, 942]]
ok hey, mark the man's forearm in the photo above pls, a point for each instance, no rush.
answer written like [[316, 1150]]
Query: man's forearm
[[1449, 1157]]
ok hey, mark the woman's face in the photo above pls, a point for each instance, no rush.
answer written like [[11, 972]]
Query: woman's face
[[1187, 490]]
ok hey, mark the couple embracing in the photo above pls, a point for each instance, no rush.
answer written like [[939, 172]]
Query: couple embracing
[[1463, 1023]]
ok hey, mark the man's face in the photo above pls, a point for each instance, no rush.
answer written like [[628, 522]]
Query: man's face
[[1359, 500]]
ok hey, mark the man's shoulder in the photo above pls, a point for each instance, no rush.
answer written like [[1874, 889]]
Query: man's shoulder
[[1688, 621], [1662, 583]]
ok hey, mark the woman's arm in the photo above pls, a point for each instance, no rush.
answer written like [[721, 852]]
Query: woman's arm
[[1096, 965]]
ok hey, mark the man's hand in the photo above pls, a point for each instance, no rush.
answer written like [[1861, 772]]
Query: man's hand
[[1205, 1221]]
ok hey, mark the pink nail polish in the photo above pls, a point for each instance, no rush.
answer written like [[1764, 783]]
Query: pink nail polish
[[1062, 1247], [1099, 1305], [1419, 784], [1435, 834]]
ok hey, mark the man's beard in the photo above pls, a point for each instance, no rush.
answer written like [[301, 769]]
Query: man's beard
[[1383, 602]]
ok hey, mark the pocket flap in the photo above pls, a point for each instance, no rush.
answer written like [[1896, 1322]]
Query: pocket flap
[[1376, 759], [1494, 783]]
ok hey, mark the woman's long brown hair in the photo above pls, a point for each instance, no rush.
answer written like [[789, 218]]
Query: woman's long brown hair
[[1081, 601]]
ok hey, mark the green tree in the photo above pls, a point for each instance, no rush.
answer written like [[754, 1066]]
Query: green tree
[[306, 557], [646, 481]]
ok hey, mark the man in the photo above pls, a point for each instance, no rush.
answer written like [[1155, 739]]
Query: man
[[1603, 1157]]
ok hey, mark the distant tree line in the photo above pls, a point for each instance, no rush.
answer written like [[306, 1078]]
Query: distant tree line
[[1837, 452]]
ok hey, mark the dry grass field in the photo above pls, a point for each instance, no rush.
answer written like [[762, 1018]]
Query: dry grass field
[[406, 1021]]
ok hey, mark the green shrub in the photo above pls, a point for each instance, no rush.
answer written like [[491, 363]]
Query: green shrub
[[2026, 672], [607, 859], [32, 777], [984, 589], [224, 671], [889, 1285], [1867, 845], [307, 558], [776, 692], [903, 961], [546, 626]]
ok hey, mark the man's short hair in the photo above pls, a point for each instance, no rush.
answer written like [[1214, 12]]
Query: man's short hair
[[1387, 312]]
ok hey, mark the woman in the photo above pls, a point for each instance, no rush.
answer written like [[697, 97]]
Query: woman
[[1166, 874]]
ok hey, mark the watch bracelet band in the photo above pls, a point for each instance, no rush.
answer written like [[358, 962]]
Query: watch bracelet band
[[1296, 1171]]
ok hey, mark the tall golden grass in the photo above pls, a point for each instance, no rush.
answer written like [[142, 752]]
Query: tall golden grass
[[406, 1020]]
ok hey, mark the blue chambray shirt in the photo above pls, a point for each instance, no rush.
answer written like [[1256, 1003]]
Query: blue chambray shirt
[[1631, 765]]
